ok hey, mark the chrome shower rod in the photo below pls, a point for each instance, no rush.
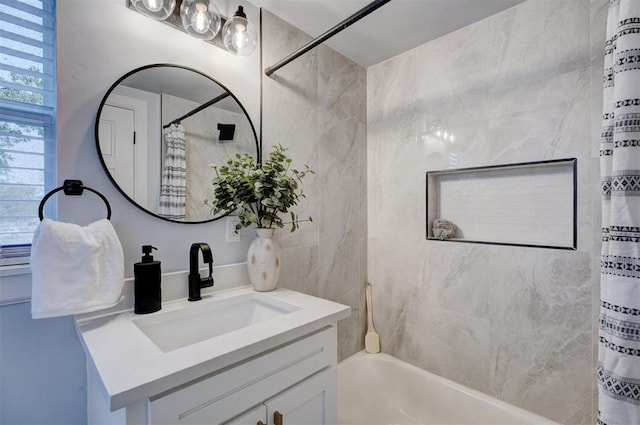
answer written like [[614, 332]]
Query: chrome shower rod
[[328, 34]]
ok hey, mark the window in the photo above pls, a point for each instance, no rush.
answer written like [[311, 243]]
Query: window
[[27, 121]]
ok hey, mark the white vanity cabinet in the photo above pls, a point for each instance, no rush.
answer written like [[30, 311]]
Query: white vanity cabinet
[[291, 384], [311, 402], [235, 357]]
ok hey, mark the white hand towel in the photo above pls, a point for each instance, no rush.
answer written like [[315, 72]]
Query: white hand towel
[[75, 269]]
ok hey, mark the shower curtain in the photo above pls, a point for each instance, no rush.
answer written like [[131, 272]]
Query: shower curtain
[[618, 369], [174, 175]]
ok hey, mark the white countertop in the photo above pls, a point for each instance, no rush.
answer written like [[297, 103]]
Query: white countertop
[[132, 368]]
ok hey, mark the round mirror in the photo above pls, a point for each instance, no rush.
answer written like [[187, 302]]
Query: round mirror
[[158, 129]]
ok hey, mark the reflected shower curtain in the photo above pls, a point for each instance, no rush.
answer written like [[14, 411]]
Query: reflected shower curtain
[[174, 175], [619, 334]]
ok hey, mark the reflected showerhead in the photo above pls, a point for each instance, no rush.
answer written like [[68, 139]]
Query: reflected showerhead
[[226, 131]]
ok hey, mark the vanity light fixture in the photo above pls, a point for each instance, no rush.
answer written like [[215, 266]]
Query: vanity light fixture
[[202, 20], [156, 9], [239, 35]]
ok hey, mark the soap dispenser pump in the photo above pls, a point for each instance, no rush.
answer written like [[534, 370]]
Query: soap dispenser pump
[[146, 286]]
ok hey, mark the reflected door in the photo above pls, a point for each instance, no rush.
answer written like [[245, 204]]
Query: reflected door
[[122, 132], [117, 140]]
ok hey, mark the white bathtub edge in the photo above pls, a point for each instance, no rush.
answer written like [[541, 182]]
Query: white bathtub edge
[[500, 404]]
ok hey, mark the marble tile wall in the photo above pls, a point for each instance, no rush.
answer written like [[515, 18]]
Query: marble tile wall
[[514, 322], [316, 107]]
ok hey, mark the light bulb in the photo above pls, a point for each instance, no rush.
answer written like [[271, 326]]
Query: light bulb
[[156, 9], [238, 35], [239, 41], [200, 18], [152, 5]]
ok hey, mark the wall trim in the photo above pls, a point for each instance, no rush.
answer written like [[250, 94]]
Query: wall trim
[[15, 284]]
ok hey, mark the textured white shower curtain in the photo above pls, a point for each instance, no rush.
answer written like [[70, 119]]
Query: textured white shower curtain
[[619, 347], [173, 191]]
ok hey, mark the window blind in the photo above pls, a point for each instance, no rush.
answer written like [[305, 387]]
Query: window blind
[[27, 121]]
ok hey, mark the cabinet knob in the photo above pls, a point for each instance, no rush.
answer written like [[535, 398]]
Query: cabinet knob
[[278, 418], [261, 423]]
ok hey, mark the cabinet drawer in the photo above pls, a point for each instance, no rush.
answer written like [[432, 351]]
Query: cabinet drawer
[[223, 395]]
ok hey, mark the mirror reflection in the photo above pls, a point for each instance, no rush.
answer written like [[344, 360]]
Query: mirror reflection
[[159, 128]]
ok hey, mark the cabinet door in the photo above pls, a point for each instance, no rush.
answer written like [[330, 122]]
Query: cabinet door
[[311, 402], [255, 416]]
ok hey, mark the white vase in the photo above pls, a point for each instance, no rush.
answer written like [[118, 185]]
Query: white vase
[[263, 260]]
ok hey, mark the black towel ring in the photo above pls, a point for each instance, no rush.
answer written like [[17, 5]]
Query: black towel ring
[[73, 188]]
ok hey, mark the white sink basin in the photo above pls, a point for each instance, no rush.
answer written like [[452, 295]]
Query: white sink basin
[[204, 320], [187, 340]]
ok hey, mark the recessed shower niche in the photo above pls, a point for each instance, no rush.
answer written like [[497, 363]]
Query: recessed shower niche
[[528, 204]]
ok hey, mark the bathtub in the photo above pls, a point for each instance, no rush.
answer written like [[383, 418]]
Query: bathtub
[[375, 389]]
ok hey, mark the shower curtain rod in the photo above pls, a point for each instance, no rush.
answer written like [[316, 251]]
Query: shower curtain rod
[[198, 109], [328, 34]]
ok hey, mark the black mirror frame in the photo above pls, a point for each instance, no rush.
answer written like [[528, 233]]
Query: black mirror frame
[[99, 151]]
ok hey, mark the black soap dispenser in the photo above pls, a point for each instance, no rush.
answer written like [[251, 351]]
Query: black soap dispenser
[[146, 287]]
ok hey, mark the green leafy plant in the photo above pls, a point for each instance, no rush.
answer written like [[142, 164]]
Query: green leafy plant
[[261, 193]]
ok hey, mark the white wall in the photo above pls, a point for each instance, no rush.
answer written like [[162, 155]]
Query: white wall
[[42, 370], [99, 41]]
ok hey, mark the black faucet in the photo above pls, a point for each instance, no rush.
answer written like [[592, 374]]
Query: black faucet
[[195, 282]]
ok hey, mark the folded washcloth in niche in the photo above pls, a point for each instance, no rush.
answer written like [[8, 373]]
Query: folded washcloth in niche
[[75, 269]]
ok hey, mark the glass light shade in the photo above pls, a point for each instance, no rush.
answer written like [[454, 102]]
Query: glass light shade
[[156, 9], [200, 18], [239, 35]]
